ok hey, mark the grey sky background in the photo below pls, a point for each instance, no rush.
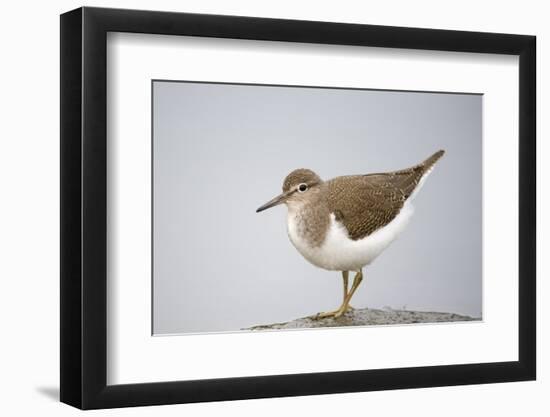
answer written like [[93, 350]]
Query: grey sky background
[[220, 151]]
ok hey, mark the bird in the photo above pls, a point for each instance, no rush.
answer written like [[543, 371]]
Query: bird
[[345, 223]]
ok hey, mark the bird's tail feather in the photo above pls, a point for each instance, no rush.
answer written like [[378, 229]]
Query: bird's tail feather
[[430, 162], [425, 168]]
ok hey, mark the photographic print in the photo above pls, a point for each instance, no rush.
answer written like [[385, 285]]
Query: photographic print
[[298, 207], [284, 188]]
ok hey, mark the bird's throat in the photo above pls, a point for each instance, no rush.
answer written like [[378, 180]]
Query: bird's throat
[[310, 222]]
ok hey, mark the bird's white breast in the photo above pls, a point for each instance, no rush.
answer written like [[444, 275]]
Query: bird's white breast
[[340, 253]]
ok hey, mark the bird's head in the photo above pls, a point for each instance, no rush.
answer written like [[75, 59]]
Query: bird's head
[[298, 186]]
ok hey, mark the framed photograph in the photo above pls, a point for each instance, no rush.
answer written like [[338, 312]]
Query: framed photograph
[[257, 208]]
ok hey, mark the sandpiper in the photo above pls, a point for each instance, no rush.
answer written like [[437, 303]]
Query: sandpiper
[[344, 223]]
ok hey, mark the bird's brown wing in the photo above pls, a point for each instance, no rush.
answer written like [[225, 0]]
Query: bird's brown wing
[[365, 203]]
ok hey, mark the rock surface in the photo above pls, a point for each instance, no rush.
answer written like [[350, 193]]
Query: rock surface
[[367, 317]]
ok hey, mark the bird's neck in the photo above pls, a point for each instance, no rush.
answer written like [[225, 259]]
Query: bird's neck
[[310, 220]]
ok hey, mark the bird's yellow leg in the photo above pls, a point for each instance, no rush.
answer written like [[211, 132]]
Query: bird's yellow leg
[[345, 280], [345, 305], [347, 296], [345, 275]]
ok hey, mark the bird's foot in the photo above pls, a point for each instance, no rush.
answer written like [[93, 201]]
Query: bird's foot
[[331, 314]]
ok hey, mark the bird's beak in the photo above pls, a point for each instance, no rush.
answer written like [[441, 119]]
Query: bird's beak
[[275, 202]]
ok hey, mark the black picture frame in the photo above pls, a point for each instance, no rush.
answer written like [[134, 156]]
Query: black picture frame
[[84, 197]]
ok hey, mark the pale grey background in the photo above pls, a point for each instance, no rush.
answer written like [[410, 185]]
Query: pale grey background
[[220, 151]]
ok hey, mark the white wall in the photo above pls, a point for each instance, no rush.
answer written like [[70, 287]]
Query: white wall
[[29, 97]]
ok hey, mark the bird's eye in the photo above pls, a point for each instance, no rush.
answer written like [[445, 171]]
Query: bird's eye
[[302, 187]]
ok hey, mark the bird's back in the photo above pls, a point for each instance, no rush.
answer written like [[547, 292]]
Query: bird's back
[[366, 203]]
